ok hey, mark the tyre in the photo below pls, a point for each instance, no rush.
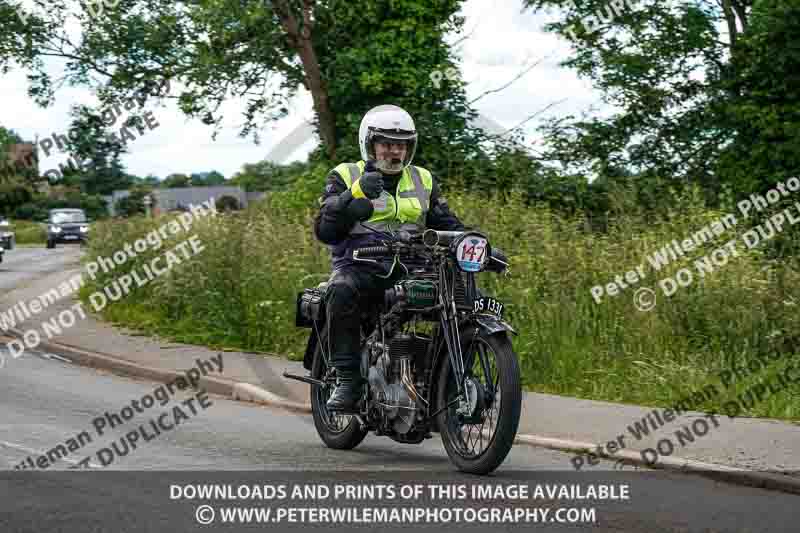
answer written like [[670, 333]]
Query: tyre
[[337, 431], [51, 244], [11, 243], [479, 441]]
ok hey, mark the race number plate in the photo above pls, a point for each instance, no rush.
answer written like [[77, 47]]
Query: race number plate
[[471, 253], [489, 305]]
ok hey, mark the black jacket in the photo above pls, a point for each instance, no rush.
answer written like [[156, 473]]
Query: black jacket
[[339, 211]]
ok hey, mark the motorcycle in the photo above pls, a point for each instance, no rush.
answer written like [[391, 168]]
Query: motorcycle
[[460, 378]]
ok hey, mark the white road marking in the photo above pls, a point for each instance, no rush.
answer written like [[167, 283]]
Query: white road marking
[[48, 355], [36, 452]]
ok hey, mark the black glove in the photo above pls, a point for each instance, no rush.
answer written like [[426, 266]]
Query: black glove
[[371, 181], [496, 266]]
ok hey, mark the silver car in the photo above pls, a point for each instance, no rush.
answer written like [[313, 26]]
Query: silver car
[[7, 237]]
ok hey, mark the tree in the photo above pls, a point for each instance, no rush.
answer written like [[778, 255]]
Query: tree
[[95, 164], [227, 203], [692, 85], [764, 109], [175, 181], [18, 159], [267, 176], [350, 55], [133, 204], [207, 179]]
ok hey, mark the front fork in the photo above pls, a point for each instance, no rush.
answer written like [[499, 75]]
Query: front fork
[[469, 393], [449, 325]]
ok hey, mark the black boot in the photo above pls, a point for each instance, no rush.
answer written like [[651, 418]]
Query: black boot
[[347, 392]]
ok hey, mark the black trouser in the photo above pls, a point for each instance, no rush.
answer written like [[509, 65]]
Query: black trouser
[[350, 289]]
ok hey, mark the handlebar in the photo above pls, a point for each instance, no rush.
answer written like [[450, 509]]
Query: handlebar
[[407, 243], [371, 251]]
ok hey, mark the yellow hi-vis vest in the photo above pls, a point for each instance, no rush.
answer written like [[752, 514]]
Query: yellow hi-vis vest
[[406, 209]]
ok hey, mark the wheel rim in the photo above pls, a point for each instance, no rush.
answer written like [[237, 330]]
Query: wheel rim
[[471, 440]]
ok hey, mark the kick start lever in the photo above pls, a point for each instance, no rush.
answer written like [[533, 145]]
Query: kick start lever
[[304, 379]]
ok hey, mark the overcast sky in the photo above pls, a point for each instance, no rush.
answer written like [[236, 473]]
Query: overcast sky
[[503, 41]]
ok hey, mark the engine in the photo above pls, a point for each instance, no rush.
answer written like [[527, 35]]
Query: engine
[[391, 378]]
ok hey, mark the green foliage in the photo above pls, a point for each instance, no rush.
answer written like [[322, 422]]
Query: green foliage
[[705, 92], [16, 177], [392, 63], [96, 153], [207, 179], [227, 203], [765, 108], [13, 196], [365, 53], [133, 204], [240, 292], [268, 176], [174, 181], [27, 232], [93, 205]]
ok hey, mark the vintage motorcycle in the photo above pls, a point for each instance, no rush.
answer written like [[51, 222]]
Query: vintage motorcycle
[[459, 378]]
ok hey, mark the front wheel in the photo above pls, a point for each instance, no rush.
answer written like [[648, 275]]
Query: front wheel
[[479, 430], [337, 431]]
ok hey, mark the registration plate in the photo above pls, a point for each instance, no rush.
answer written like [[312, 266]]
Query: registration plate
[[71, 237], [488, 305]]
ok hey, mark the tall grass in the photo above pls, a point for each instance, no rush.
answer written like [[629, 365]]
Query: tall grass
[[28, 232], [240, 292]]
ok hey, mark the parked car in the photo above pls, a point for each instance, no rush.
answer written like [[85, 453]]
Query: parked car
[[7, 238], [67, 226]]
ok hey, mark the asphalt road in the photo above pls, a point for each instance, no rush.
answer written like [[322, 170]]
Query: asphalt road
[[23, 264], [45, 402]]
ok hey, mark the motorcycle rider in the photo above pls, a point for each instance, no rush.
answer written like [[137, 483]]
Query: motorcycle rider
[[382, 191]]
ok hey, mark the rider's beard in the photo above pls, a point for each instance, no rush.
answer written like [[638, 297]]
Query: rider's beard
[[391, 165]]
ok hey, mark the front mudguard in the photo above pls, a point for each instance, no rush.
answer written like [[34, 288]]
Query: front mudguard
[[491, 324]]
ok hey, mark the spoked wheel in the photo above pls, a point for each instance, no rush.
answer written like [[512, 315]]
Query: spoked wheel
[[478, 431], [338, 431]]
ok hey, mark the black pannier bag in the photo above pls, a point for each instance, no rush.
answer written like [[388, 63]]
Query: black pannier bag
[[310, 306]]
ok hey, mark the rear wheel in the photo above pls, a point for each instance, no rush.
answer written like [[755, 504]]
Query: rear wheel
[[338, 431], [478, 433]]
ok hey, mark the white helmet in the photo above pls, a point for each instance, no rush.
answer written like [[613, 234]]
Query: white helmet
[[391, 123]]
